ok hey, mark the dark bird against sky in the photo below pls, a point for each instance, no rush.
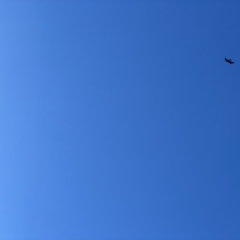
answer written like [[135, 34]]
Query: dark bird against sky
[[229, 60]]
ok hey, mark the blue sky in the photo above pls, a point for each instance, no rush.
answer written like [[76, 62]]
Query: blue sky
[[119, 120]]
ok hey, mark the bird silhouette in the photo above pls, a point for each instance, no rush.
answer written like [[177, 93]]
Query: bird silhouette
[[229, 60]]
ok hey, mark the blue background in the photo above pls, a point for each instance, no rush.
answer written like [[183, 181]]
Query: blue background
[[119, 120]]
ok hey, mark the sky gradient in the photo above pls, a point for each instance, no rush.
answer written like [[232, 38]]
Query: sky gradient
[[119, 120]]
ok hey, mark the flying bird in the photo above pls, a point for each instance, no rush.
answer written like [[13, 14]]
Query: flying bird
[[229, 60]]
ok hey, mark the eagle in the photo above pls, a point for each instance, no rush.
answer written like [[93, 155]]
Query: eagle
[[229, 60]]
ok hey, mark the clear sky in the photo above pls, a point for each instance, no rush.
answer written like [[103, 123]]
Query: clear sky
[[119, 120]]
